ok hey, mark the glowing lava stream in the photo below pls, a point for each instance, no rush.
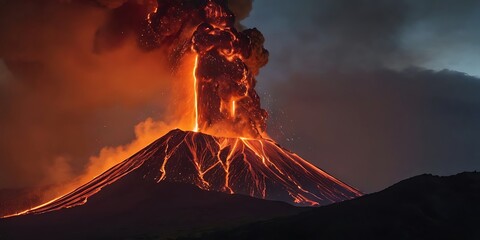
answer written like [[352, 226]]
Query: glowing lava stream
[[233, 108], [195, 84]]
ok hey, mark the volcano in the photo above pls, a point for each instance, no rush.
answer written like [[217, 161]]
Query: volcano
[[256, 167], [229, 150]]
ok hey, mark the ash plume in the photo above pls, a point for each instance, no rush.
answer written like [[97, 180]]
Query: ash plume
[[227, 60]]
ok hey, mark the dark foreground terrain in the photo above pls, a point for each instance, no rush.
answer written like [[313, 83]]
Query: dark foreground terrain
[[422, 207], [140, 210]]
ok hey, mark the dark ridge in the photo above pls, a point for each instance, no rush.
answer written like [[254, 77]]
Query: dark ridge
[[422, 207]]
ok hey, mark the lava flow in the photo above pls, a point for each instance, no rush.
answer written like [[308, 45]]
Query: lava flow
[[259, 168], [228, 149]]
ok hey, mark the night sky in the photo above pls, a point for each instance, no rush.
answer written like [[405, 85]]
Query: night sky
[[372, 92]]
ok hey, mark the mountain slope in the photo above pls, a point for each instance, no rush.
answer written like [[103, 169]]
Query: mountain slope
[[258, 168], [422, 207]]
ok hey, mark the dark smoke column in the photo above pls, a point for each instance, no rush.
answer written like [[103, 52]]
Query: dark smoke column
[[227, 62]]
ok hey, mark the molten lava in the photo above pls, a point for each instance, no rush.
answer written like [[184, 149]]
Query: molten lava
[[195, 91]]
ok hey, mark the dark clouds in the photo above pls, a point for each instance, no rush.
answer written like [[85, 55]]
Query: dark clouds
[[360, 34], [370, 33], [349, 87], [325, 34], [373, 128]]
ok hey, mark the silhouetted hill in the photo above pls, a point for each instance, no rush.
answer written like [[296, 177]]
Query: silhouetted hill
[[130, 209], [422, 207]]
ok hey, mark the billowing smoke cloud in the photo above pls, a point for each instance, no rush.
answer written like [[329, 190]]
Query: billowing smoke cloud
[[241, 9]]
